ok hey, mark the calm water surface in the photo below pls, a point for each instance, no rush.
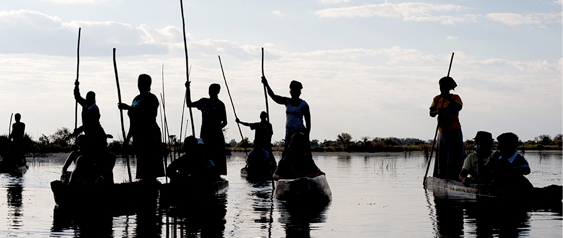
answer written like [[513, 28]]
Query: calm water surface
[[374, 195]]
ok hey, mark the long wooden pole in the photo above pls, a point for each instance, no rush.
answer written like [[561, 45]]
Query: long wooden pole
[[10, 126], [436, 133], [228, 91], [77, 69], [187, 68], [265, 94], [124, 151]]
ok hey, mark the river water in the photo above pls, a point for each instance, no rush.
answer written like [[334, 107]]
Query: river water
[[374, 195]]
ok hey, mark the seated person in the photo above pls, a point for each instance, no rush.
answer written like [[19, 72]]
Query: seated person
[[470, 172], [191, 165], [507, 166], [92, 166], [258, 162], [298, 162]]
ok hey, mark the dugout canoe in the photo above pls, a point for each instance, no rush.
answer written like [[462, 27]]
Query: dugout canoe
[[189, 191], [304, 190], [549, 194], [13, 169]]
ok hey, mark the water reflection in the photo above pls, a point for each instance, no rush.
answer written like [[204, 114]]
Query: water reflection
[[201, 218], [297, 219], [455, 214], [14, 193]]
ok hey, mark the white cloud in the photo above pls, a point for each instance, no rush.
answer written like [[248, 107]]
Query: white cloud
[[333, 1], [515, 19], [277, 13], [78, 1], [452, 38], [559, 2], [419, 12]]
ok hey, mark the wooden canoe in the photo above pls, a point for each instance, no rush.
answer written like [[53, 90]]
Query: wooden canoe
[[186, 192], [552, 193], [13, 169], [304, 190]]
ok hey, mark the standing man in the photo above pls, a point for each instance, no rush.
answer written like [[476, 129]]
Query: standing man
[[90, 117], [17, 152], [213, 120], [262, 136]]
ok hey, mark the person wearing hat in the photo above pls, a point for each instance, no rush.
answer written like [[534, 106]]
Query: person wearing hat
[[508, 167], [296, 110], [449, 141], [473, 168]]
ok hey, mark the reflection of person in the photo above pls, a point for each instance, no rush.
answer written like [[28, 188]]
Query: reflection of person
[[507, 166], [475, 162], [213, 120], [90, 117], [262, 136], [449, 144], [17, 151], [192, 165], [296, 110], [297, 162], [145, 131]]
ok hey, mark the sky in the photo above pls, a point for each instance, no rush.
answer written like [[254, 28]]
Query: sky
[[368, 68]]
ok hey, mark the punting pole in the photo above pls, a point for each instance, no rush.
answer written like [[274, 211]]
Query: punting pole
[[124, 151], [187, 69], [77, 69], [265, 94], [10, 126], [436, 133], [228, 91]]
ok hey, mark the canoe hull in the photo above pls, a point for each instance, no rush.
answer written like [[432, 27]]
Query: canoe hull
[[304, 190]]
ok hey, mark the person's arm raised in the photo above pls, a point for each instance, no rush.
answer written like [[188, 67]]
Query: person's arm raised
[[278, 99]]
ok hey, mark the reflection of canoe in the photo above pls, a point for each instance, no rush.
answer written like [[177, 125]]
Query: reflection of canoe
[[262, 174], [119, 195], [13, 169], [552, 193], [177, 193], [304, 190]]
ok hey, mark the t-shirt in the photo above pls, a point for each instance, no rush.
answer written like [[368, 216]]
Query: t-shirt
[[212, 115], [294, 115], [447, 121], [471, 163], [263, 132]]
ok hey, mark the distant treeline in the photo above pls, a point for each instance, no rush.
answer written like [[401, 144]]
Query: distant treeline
[[63, 141]]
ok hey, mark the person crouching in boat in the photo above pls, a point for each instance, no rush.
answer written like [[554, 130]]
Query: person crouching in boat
[[473, 170], [449, 143], [508, 167], [92, 165], [262, 137], [298, 161], [258, 162], [192, 166]]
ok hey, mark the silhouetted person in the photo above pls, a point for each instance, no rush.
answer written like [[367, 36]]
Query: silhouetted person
[[145, 131], [474, 164], [90, 117], [17, 148], [508, 167], [93, 165], [296, 110], [213, 120], [449, 143], [297, 162], [191, 166], [262, 136]]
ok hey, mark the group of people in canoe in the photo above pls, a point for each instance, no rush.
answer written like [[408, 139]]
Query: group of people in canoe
[[205, 158], [504, 168]]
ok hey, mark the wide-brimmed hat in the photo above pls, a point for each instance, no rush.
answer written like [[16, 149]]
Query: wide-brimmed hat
[[483, 136]]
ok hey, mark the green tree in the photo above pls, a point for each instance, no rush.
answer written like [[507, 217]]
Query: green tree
[[344, 139]]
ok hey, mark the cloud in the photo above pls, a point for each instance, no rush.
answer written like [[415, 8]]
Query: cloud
[[333, 1], [515, 19], [559, 2], [78, 1], [419, 12], [452, 38], [277, 13]]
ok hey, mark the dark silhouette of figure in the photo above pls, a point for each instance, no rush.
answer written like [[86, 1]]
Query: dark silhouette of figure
[[192, 166], [449, 143], [92, 165], [213, 120], [90, 117], [297, 162], [262, 137], [508, 167], [17, 153], [473, 170], [145, 131], [296, 110]]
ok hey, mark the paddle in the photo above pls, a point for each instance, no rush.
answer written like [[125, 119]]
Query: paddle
[[77, 69], [436, 133], [124, 151], [187, 68], [234, 111]]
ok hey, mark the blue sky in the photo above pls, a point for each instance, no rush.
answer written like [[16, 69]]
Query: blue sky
[[369, 68]]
